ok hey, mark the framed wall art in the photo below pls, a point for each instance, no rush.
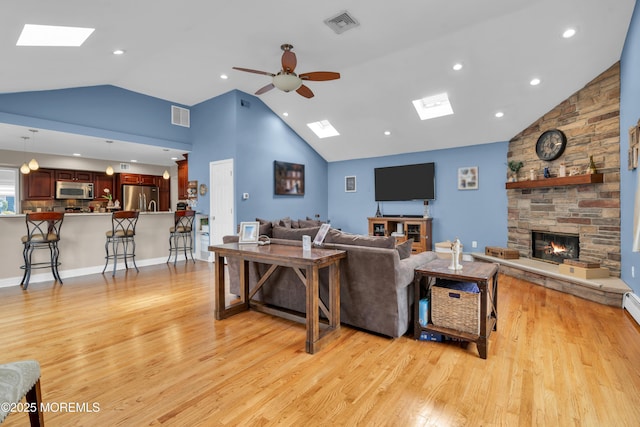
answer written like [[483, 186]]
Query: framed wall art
[[468, 178], [350, 184], [634, 135], [288, 179]]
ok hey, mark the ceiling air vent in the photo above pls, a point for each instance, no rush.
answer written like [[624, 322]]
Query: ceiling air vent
[[180, 116], [342, 22], [125, 166]]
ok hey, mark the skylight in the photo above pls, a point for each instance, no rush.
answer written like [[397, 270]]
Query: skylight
[[50, 35], [433, 106], [323, 129]]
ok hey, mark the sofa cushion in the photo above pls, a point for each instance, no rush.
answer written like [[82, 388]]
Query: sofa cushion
[[294, 233], [337, 236], [404, 248], [305, 223]]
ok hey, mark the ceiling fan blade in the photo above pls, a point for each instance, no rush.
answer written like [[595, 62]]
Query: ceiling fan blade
[[265, 89], [289, 61], [249, 70], [320, 76], [305, 91]]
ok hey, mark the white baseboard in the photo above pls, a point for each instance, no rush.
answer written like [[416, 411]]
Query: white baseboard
[[64, 274]]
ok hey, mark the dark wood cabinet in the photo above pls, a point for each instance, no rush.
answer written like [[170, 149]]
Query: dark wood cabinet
[[183, 178], [102, 181], [39, 185], [137, 179], [72, 175]]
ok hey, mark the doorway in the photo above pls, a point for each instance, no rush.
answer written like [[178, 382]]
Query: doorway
[[221, 201]]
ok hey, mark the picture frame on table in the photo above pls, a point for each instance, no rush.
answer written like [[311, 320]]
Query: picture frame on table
[[249, 232], [349, 184], [468, 178]]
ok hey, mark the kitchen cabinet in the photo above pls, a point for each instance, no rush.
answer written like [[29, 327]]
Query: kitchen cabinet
[[137, 179], [164, 193], [102, 181], [72, 175], [39, 185], [183, 177]]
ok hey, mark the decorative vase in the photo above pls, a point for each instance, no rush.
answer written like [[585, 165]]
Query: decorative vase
[[592, 166]]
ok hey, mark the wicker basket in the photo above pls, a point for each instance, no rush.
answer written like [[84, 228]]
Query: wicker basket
[[455, 309]]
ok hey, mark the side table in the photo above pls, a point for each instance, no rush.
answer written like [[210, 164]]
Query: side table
[[485, 275]]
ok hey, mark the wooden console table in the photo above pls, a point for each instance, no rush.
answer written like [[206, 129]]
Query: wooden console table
[[306, 265], [482, 273]]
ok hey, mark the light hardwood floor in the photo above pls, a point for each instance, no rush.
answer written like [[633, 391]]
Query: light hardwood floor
[[146, 349]]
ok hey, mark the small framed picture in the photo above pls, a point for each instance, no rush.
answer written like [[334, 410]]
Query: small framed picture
[[468, 178], [249, 232], [322, 233], [350, 184]]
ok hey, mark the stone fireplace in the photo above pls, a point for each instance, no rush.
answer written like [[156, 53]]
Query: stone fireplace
[[554, 247], [588, 209]]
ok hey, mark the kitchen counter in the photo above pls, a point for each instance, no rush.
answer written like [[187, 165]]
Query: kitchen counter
[[82, 240]]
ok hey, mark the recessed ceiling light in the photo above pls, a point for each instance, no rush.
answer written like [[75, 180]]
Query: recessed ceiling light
[[174, 158], [457, 67], [569, 32], [323, 129], [77, 154], [50, 35], [499, 114], [535, 82], [118, 52], [224, 76], [285, 114], [433, 106], [133, 161], [387, 133]]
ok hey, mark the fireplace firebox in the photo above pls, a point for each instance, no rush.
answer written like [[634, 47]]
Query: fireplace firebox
[[554, 247]]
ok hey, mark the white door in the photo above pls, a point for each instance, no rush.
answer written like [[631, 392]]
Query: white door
[[221, 200]]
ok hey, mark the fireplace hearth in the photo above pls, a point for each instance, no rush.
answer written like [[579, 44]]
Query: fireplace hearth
[[554, 247]]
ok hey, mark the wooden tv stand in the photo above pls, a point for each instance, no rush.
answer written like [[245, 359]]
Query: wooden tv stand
[[418, 229]]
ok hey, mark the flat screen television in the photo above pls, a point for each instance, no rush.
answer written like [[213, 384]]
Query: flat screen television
[[408, 182]]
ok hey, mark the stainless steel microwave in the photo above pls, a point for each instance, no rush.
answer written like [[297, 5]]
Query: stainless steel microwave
[[74, 190]]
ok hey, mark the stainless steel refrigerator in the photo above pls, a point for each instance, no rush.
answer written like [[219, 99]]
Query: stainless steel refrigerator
[[139, 198]]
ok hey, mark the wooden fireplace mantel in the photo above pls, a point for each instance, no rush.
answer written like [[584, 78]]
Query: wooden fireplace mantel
[[594, 178]]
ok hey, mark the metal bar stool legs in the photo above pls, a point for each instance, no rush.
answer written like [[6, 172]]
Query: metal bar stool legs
[[182, 229], [43, 232], [123, 231]]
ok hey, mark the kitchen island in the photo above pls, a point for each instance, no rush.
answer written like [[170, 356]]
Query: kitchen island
[[82, 241]]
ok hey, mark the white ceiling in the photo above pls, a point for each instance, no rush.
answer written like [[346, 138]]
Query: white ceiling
[[401, 51]]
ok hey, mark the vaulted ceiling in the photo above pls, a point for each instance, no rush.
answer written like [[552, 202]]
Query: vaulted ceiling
[[399, 52]]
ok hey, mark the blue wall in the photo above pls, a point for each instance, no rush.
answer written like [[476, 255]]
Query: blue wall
[[629, 115], [479, 215], [240, 126]]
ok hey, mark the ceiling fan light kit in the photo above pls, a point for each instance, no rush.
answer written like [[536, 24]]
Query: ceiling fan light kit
[[286, 80]]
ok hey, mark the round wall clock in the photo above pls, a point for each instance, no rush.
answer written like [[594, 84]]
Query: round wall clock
[[203, 189], [551, 144]]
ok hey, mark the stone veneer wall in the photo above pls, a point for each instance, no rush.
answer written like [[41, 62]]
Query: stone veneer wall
[[590, 119]]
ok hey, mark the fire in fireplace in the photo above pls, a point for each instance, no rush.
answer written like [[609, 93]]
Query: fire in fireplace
[[554, 247]]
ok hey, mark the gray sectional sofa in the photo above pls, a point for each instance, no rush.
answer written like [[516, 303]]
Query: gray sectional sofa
[[376, 279]]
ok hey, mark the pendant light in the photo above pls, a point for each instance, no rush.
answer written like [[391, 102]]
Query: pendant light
[[24, 169], [33, 164], [109, 170], [166, 174]]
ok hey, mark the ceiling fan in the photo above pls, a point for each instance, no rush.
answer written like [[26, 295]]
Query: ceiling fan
[[286, 80]]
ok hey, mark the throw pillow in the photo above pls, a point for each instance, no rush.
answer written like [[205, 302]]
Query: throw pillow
[[294, 233], [305, 223], [285, 222], [404, 249], [337, 236]]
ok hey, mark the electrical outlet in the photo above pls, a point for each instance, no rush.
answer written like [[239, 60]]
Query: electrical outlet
[[474, 244]]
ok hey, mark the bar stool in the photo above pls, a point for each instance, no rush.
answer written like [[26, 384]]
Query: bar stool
[[182, 229], [123, 232], [18, 380], [43, 232]]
